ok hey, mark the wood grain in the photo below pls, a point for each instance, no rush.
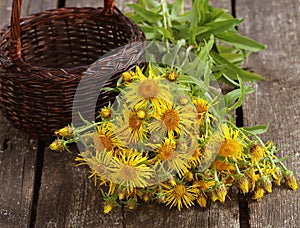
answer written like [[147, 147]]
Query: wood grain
[[277, 103], [17, 172], [276, 100], [275, 24], [68, 198]]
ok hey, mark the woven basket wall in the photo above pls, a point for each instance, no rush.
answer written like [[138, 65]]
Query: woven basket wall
[[44, 56]]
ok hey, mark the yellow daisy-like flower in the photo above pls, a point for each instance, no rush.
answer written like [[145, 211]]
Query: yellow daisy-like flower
[[131, 170], [202, 200], [130, 127], [173, 158], [179, 195], [202, 108], [244, 184], [204, 185], [100, 163], [257, 151], [231, 146], [175, 121], [258, 194], [224, 166], [145, 90], [105, 139]]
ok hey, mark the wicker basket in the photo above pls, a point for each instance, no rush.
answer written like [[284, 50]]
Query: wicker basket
[[44, 56]]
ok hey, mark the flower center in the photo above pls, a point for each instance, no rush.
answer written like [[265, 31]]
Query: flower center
[[166, 152], [148, 89], [230, 148], [128, 172], [179, 191], [170, 119], [106, 142], [134, 123]]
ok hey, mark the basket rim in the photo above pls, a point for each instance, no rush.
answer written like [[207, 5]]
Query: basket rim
[[5, 32]]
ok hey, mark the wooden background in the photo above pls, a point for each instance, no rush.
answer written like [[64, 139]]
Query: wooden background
[[40, 188]]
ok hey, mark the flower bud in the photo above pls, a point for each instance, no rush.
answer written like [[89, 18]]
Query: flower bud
[[290, 180], [267, 184], [66, 132], [202, 200], [57, 145], [127, 76], [105, 113], [221, 193], [257, 151], [172, 76], [244, 184], [258, 193]]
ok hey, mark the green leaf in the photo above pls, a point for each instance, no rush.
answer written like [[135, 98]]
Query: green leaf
[[232, 71], [241, 96], [240, 41], [256, 130], [148, 15], [233, 95], [217, 27]]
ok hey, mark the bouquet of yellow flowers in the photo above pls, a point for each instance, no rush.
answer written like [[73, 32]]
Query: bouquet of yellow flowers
[[163, 141]]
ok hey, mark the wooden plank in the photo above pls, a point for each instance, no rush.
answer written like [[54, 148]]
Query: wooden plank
[[36, 6], [5, 11], [277, 103], [276, 24], [96, 3], [17, 171], [68, 198]]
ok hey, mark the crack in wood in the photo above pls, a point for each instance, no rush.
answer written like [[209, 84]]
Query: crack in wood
[[38, 179]]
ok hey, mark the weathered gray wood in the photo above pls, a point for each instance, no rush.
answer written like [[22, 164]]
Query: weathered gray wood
[[18, 159], [36, 6], [276, 100], [68, 198], [66, 190], [5, 11], [277, 103], [99, 3], [276, 24], [17, 171]]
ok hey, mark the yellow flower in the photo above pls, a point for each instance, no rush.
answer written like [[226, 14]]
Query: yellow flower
[[153, 89], [108, 206], [57, 145], [196, 158], [202, 200], [105, 112], [258, 193], [204, 185], [128, 76], [231, 146], [129, 127], [267, 184], [172, 157], [100, 163], [105, 139], [290, 180], [253, 177], [180, 195], [244, 184], [221, 192], [202, 108], [257, 151], [224, 166], [131, 170], [66, 132], [175, 120], [172, 76]]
